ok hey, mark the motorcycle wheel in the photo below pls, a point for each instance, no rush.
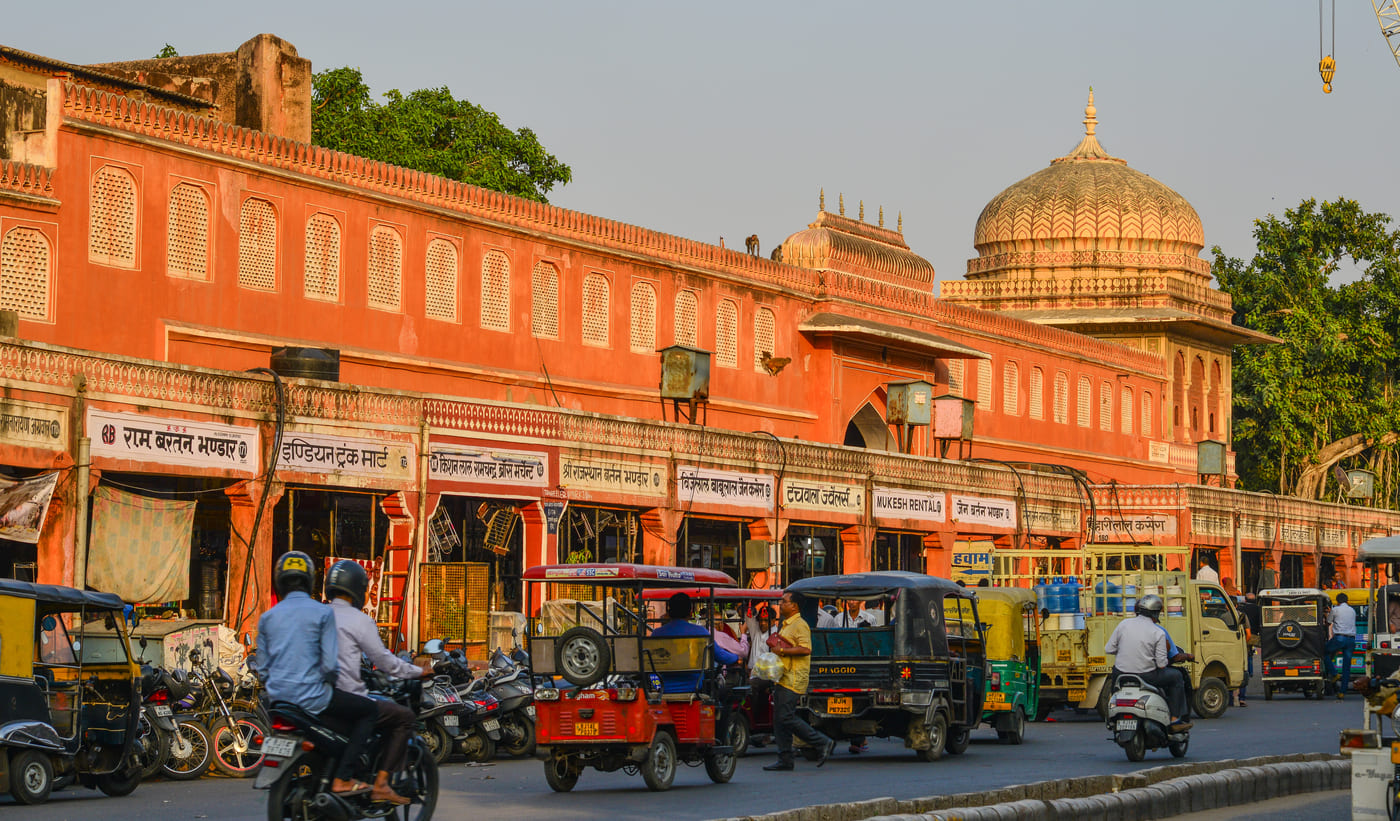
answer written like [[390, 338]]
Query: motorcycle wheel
[[419, 782], [478, 746], [518, 736], [31, 777], [561, 773], [155, 748], [1137, 748], [1178, 748], [439, 741], [659, 768], [227, 735], [287, 799], [739, 734], [191, 752]]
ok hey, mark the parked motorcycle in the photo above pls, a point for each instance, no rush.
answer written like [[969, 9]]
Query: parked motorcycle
[[509, 683], [480, 715], [236, 736], [191, 749], [1139, 719], [439, 716]]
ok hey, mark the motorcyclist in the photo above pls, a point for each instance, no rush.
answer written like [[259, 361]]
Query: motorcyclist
[[297, 661], [346, 586], [1140, 648]]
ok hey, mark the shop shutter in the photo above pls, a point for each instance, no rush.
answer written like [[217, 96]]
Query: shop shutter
[[643, 317], [764, 338], [727, 334], [321, 277], [441, 268], [187, 233], [1062, 398], [984, 385], [1037, 398], [112, 218], [1105, 406], [257, 246], [495, 291], [385, 270], [26, 271], [1083, 400], [1125, 410], [595, 310], [1011, 389], [544, 301], [687, 311]]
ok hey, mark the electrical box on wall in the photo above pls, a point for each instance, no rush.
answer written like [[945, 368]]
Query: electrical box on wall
[[909, 403], [952, 417], [685, 373]]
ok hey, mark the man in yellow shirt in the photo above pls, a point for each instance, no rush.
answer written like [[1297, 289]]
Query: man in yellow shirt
[[793, 644]]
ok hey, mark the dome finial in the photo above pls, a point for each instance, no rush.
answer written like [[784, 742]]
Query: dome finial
[[862, 210], [841, 203], [901, 222], [1090, 121], [882, 216], [821, 201]]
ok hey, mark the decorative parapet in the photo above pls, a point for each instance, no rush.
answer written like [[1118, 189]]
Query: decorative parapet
[[967, 317], [1217, 303], [1247, 504], [1099, 258], [34, 180]]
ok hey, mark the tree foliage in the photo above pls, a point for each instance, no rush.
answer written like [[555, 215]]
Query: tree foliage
[[1331, 381], [168, 51], [432, 131]]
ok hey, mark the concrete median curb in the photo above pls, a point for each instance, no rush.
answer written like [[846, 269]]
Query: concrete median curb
[[1158, 792]]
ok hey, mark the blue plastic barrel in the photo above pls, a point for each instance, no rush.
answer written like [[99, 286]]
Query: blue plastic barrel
[[1107, 598]]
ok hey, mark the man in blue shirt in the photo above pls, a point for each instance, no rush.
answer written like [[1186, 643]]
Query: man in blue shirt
[[296, 658], [678, 625]]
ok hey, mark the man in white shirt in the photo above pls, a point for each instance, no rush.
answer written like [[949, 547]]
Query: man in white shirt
[[850, 616], [1342, 621], [1139, 647], [1207, 573]]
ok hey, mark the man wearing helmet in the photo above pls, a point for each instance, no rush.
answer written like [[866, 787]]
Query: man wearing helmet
[[297, 661], [1140, 647], [346, 586]]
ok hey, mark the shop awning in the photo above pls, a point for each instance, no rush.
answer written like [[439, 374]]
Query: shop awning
[[894, 336]]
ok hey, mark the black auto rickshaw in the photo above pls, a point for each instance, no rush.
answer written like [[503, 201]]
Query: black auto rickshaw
[[920, 675], [1293, 632], [70, 709]]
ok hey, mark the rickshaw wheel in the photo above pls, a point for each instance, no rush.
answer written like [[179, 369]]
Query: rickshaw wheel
[[1211, 699], [659, 769], [958, 741], [938, 739], [119, 783], [720, 767], [1178, 748], [31, 777], [560, 773], [739, 734], [1137, 748], [1015, 731], [1268, 692], [582, 656]]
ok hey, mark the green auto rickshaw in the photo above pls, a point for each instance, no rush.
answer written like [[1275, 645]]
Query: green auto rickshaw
[[1013, 655]]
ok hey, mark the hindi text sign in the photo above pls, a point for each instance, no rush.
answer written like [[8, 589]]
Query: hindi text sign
[[173, 441]]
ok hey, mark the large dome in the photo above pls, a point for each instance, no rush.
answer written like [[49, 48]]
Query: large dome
[[1087, 201]]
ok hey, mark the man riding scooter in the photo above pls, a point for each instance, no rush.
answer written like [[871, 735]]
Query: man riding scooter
[[346, 586], [1140, 647]]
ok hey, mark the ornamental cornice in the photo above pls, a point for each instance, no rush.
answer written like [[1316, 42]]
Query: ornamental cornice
[[1088, 258]]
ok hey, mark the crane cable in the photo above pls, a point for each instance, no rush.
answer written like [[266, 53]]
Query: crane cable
[[1326, 63]]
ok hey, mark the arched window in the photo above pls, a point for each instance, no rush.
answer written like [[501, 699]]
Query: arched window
[[984, 384], [687, 313], [544, 300], [112, 218], [596, 298], [495, 291], [385, 269], [1011, 389], [1037, 397], [727, 334], [26, 273], [956, 376], [1083, 399], [643, 317], [1145, 421], [441, 268], [1062, 398], [187, 233], [1105, 406], [257, 246], [764, 337], [322, 273]]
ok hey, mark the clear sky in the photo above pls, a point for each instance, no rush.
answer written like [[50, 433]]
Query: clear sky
[[724, 119]]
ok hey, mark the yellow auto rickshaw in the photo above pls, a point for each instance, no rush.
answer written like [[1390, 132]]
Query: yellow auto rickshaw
[[70, 709], [1012, 627]]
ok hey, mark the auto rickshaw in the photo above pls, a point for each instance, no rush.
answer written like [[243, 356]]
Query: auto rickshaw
[[751, 707], [629, 699], [1293, 630], [69, 709], [1012, 627], [1359, 600], [920, 676]]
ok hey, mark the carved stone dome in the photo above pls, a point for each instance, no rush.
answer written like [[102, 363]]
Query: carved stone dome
[[853, 246], [1088, 204]]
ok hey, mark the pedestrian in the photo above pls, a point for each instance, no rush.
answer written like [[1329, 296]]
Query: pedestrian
[[1342, 622], [1250, 611], [793, 644]]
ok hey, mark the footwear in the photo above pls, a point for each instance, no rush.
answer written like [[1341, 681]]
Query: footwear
[[1242, 704], [353, 788], [1180, 726], [857, 749], [779, 766], [826, 751]]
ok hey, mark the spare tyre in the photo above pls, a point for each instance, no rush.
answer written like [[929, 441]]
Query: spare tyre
[[582, 656], [1290, 633]]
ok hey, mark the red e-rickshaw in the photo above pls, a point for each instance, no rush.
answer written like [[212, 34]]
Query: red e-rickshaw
[[628, 700]]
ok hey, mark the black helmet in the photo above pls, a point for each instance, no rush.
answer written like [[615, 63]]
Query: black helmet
[[347, 577], [1150, 606], [294, 571]]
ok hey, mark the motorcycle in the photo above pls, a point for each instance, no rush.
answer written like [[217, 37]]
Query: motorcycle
[[439, 716], [1139, 719], [191, 749], [479, 715], [508, 681], [236, 736]]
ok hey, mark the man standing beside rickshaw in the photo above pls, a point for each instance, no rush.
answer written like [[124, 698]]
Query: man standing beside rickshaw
[[1342, 623], [793, 644]]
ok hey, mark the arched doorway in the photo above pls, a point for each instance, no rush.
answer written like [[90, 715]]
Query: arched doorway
[[867, 429]]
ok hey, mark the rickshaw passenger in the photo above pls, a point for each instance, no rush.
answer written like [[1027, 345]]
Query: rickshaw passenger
[[759, 627], [678, 625], [850, 616]]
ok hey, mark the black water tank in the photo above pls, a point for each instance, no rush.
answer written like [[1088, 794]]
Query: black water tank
[[307, 363]]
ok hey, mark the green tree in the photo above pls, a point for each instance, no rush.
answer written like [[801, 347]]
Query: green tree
[[168, 51], [1325, 394], [432, 131]]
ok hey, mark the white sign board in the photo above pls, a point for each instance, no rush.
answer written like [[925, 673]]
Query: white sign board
[[33, 426], [1141, 528], [612, 476], [183, 442], [829, 497], [346, 455], [893, 503], [977, 510], [460, 463], [723, 487]]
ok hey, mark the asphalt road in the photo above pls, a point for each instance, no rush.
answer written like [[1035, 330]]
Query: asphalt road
[[1074, 745]]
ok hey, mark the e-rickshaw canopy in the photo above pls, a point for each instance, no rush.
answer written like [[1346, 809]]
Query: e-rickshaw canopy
[[874, 584], [57, 594], [721, 594], [610, 574], [1004, 611], [1380, 549], [915, 628]]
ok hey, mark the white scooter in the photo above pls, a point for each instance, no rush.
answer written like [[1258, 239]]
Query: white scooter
[[1139, 719]]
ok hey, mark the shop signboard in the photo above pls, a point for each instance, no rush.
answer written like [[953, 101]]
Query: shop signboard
[[347, 455], [722, 487], [553, 512], [618, 476], [1135, 528], [978, 510], [972, 562], [488, 465], [32, 425], [825, 497], [1062, 519], [893, 503], [183, 442]]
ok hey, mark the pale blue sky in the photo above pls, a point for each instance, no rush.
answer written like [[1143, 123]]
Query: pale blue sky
[[725, 119]]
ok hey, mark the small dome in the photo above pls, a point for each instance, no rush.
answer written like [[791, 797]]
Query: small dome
[[1085, 201], [836, 242]]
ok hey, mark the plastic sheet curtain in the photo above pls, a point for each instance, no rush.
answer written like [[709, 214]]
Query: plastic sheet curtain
[[140, 546]]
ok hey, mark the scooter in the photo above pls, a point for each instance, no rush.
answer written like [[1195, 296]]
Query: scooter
[[1139, 719], [477, 712], [509, 683]]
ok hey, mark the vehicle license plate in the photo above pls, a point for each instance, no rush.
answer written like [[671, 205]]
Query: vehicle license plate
[[1126, 724], [530, 710], [163, 711], [839, 706], [1077, 695], [449, 719], [996, 698], [1290, 672], [279, 746], [586, 728], [491, 725]]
